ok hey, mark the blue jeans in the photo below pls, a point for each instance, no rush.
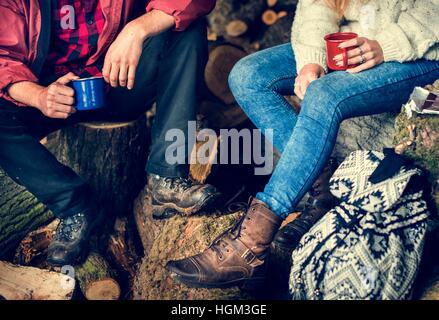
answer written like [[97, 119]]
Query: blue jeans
[[306, 140]]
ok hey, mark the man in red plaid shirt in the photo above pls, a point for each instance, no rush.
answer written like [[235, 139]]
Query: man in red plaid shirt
[[147, 51]]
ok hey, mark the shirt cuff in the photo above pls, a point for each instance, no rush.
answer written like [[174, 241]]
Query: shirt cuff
[[180, 24]]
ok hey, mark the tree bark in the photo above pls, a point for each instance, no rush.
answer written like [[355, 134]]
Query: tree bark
[[111, 157], [20, 213], [96, 279], [28, 283]]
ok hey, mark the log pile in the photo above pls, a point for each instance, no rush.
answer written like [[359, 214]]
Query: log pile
[[236, 29]]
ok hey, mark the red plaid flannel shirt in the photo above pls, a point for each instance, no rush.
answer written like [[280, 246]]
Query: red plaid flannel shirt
[[71, 48]]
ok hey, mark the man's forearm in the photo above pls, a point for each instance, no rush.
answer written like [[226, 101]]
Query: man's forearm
[[153, 23], [26, 92]]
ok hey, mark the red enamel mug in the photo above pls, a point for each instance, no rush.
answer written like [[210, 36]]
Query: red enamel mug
[[333, 40]]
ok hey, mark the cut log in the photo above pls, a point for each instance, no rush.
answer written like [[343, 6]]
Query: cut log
[[111, 157], [269, 17], [28, 283], [20, 213], [32, 250], [271, 3], [236, 28], [221, 61], [281, 14], [121, 246], [96, 279]]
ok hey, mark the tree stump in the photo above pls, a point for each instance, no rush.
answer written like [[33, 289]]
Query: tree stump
[[28, 283], [111, 157], [170, 239], [425, 151], [20, 213], [365, 133], [96, 279]]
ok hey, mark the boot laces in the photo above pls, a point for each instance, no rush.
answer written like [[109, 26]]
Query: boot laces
[[68, 227], [179, 184], [220, 245]]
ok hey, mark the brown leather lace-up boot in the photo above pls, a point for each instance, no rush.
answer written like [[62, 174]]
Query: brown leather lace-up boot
[[320, 201], [235, 258]]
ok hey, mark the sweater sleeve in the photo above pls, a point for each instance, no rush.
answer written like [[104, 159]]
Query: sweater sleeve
[[313, 21], [413, 35]]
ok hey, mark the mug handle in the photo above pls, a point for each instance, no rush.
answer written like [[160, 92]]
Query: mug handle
[[345, 57]]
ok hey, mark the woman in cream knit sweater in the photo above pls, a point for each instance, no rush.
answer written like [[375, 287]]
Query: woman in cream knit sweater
[[397, 49]]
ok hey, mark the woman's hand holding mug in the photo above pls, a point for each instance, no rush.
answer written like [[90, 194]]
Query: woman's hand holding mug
[[367, 54], [308, 74], [362, 54]]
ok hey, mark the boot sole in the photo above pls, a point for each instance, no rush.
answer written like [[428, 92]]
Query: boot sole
[[243, 284], [161, 211]]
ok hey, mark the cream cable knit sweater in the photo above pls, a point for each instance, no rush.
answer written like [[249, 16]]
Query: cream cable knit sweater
[[407, 30]]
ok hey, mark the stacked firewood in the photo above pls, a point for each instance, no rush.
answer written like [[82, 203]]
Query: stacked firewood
[[236, 29]]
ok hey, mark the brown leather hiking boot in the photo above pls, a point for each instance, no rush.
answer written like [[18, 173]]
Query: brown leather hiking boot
[[235, 258], [320, 201]]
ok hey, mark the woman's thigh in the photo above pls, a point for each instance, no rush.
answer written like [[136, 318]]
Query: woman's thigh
[[259, 83], [273, 68], [384, 88]]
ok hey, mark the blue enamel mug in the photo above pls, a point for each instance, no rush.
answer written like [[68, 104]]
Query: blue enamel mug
[[90, 93]]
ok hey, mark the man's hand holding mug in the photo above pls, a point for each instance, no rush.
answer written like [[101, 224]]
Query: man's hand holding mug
[[57, 100]]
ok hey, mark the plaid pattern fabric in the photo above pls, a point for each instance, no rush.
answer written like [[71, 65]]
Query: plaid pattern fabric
[[71, 47]]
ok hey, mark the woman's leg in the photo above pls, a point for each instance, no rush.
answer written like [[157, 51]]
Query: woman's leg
[[259, 83], [327, 103]]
